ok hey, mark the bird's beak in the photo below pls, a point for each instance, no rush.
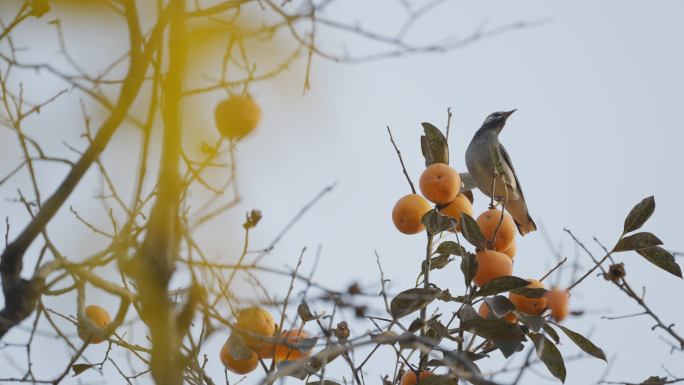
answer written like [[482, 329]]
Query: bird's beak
[[509, 113]]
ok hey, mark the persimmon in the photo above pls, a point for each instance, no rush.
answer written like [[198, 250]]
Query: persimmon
[[489, 221], [511, 250], [440, 183], [258, 321], [484, 310], [100, 317], [408, 212], [491, 264], [238, 366], [459, 205], [529, 305], [292, 336], [409, 377], [266, 350], [557, 301], [237, 116]]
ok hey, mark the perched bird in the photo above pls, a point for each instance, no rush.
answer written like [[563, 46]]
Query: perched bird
[[480, 166]]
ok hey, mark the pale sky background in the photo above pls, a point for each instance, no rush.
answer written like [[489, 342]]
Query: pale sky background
[[599, 93]]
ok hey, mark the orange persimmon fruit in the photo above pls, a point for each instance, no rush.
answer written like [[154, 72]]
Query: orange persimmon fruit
[[292, 336], [258, 321], [491, 264], [238, 366], [409, 377], [408, 213], [511, 250], [100, 317], [557, 301], [489, 221], [440, 183], [237, 116], [456, 207]]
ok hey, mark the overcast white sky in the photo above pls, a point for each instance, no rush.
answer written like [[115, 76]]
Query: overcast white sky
[[599, 93]]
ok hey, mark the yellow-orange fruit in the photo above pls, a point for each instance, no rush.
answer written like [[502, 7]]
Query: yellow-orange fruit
[[511, 250], [526, 305], [407, 213], [489, 221], [237, 116], [257, 321], [484, 310], [238, 366], [557, 301], [266, 350], [409, 377], [440, 183], [100, 317], [456, 207], [491, 264], [292, 336]]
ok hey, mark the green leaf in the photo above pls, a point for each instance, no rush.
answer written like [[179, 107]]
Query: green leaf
[[534, 322], [416, 325], [436, 223], [500, 305], [80, 368], [464, 367], [325, 382], [437, 144], [661, 258], [550, 355], [237, 348], [385, 338], [637, 242], [425, 149], [507, 348], [446, 297], [300, 372], [437, 380], [303, 346], [530, 292], [499, 330], [467, 313], [501, 285], [469, 266], [655, 380], [411, 300], [552, 333], [639, 214], [438, 262], [451, 247], [440, 329], [471, 232], [317, 365], [583, 343]]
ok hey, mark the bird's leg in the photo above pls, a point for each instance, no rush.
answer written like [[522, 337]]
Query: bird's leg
[[498, 204], [495, 174]]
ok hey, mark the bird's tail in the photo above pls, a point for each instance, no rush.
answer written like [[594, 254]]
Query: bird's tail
[[518, 210]]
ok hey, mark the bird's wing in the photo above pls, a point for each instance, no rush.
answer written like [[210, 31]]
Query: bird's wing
[[507, 162]]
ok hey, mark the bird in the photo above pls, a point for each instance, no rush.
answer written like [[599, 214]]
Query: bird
[[480, 166]]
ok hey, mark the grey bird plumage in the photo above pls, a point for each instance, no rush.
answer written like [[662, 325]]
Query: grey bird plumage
[[480, 164]]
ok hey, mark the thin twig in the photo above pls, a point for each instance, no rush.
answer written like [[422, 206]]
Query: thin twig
[[401, 160]]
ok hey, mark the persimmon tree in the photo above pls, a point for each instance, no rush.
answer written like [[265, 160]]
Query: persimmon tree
[[153, 238]]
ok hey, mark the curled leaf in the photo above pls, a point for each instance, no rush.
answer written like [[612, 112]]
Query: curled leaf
[[500, 305], [471, 231], [305, 313], [237, 348], [438, 262], [552, 333], [530, 292], [436, 223], [534, 322], [469, 266], [437, 144], [450, 247]]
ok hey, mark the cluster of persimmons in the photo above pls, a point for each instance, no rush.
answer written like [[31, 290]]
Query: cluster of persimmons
[[441, 185]]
